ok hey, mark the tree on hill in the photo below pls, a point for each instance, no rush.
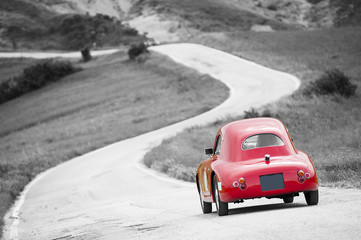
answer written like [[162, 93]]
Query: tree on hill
[[13, 33], [86, 31]]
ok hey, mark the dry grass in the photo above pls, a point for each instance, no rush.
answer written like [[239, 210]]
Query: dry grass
[[110, 100], [326, 127]]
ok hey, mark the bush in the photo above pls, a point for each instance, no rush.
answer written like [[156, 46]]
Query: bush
[[136, 50], [35, 77], [314, 1], [253, 113], [332, 82], [272, 7]]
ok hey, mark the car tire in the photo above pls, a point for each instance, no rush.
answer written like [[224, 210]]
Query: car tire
[[206, 206], [222, 207], [311, 197], [288, 199]]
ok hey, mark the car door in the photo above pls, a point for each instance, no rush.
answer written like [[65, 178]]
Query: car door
[[207, 168]]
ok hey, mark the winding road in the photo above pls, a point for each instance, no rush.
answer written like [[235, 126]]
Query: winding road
[[109, 194]]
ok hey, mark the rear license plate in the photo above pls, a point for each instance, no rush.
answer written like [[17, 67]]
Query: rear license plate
[[272, 182]]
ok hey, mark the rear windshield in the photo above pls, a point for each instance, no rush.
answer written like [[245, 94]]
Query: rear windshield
[[262, 140]]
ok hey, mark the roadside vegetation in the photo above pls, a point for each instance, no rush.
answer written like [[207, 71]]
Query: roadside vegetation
[[111, 99], [11, 67], [35, 77]]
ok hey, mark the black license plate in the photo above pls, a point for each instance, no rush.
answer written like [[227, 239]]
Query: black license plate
[[272, 182]]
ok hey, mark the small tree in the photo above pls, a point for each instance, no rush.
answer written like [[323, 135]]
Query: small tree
[[85, 53], [12, 33]]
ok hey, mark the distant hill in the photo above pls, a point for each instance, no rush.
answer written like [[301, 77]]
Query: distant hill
[[303, 13], [30, 24]]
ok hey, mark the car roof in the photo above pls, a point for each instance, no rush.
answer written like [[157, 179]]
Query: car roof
[[247, 127], [234, 133]]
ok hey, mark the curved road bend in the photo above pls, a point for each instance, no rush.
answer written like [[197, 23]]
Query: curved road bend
[[107, 194]]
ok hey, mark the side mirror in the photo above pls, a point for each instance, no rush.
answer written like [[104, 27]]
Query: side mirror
[[209, 151]]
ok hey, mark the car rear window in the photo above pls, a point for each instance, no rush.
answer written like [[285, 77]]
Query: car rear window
[[262, 140]]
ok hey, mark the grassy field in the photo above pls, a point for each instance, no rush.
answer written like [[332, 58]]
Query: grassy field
[[109, 100], [326, 127]]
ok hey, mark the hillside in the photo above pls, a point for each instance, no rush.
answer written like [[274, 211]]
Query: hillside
[[34, 25], [304, 13], [27, 24], [236, 15]]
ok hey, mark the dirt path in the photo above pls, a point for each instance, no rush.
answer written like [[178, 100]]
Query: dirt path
[[108, 194]]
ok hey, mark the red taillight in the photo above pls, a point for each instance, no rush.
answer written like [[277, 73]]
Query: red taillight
[[300, 173], [241, 183], [242, 180], [302, 176], [302, 179]]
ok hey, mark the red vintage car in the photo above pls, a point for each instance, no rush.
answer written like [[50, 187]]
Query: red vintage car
[[254, 158]]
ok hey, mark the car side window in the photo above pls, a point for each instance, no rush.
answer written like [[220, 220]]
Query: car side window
[[217, 148]]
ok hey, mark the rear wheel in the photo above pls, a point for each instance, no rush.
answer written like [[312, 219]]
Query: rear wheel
[[311, 197], [222, 207], [288, 199], [206, 206]]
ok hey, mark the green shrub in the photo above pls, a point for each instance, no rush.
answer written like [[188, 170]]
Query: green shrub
[[273, 7], [136, 50], [35, 77], [348, 12], [332, 82], [314, 1], [253, 113]]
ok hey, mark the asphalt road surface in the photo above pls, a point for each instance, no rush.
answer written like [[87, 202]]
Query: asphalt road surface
[[109, 194]]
